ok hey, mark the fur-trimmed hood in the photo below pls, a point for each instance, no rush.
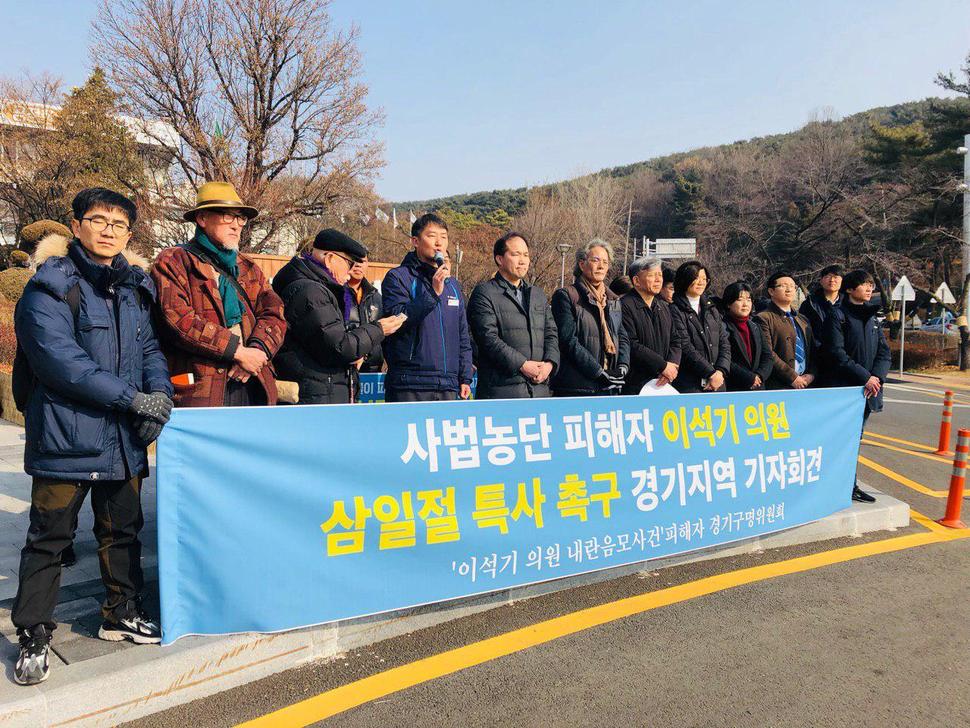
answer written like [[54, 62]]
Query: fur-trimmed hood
[[56, 245], [58, 273]]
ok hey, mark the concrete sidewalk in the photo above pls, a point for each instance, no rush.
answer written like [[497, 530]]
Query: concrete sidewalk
[[96, 683]]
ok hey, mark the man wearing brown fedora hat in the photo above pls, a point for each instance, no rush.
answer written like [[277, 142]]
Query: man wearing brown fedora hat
[[221, 322]]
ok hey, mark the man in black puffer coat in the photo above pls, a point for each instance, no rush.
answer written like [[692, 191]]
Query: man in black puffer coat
[[319, 352], [854, 349]]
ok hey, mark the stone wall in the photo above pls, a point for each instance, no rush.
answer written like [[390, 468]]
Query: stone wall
[[9, 410]]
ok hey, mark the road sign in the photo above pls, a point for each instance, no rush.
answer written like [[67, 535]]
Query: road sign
[[904, 290], [944, 294], [675, 248]]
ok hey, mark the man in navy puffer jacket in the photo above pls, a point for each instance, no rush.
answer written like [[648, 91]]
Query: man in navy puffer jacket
[[430, 356], [99, 393]]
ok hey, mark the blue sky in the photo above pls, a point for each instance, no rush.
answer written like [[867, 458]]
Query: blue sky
[[483, 96]]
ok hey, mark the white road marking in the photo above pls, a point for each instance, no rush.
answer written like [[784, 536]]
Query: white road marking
[[9, 504]]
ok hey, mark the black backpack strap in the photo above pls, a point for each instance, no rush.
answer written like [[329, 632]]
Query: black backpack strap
[[573, 294], [73, 299], [23, 379]]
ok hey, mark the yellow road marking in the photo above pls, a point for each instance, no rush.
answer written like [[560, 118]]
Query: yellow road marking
[[927, 456], [901, 479], [363, 691], [928, 448], [932, 525]]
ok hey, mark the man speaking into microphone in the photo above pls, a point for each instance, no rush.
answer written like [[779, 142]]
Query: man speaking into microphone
[[429, 359]]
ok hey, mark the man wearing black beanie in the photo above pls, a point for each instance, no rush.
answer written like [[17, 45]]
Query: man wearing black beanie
[[318, 351]]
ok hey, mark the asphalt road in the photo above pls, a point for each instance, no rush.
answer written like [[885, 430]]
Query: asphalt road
[[878, 641]]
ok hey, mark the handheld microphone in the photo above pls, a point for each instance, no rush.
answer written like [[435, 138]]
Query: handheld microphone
[[439, 259]]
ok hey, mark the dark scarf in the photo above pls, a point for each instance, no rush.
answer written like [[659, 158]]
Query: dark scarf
[[99, 275], [742, 326], [349, 300], [228, 261]]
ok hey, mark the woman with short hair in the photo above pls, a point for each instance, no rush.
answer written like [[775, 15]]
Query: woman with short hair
[[706, 354], [751, 360]]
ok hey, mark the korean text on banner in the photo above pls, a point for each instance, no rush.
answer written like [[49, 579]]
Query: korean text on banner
[[276, 518]]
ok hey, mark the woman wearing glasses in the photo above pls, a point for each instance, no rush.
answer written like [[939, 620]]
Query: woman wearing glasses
[[593, 346]]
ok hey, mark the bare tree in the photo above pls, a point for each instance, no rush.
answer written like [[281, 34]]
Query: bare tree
[[652, 199], [54, 144], [594, 208], [763, 209], [265, 94], [543, 223], [33, 174]]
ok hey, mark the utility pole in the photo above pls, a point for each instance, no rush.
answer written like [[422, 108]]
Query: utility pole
[[965, 188], [626, 247]]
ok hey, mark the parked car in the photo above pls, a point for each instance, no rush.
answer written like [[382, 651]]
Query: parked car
[[939, 324]]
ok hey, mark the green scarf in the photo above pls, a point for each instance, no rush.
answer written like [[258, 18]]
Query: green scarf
[[231, 304]]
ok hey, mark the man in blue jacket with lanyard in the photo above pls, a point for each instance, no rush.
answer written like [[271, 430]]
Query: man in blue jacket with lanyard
[[429, 359]]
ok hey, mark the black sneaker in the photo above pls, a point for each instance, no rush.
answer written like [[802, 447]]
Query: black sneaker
[[33, 663], [137, 627], [860, 496]]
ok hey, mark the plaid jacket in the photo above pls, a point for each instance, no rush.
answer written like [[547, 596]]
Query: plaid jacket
[[192, 325]]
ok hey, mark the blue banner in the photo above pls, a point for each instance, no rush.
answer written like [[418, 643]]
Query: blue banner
[[276, 518]]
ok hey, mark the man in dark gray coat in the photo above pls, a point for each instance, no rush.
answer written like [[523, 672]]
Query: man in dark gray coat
[[513, 327]]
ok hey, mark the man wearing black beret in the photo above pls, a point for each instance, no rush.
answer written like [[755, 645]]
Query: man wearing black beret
[[318, 351]]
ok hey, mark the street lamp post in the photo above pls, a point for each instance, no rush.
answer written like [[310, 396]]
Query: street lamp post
[[964, 187], [563, 249]]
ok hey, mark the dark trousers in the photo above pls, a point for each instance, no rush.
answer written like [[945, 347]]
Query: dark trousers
[[244, 394], [54, 506], [418, 395]]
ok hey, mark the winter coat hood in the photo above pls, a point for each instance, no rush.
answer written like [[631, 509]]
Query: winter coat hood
[[59, 267]]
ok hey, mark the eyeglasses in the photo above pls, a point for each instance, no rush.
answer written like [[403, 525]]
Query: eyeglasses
[[227, 218], [99, 225], [350, 262], [597, 260]]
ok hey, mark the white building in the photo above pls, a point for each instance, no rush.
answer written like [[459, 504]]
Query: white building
[[20, 121]]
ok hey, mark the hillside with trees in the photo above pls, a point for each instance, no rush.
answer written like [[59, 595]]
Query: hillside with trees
[[876, 189]]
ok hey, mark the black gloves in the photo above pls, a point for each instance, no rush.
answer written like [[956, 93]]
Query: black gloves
[[148, 430], [155, 406], [151, 412], [612, 379]]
